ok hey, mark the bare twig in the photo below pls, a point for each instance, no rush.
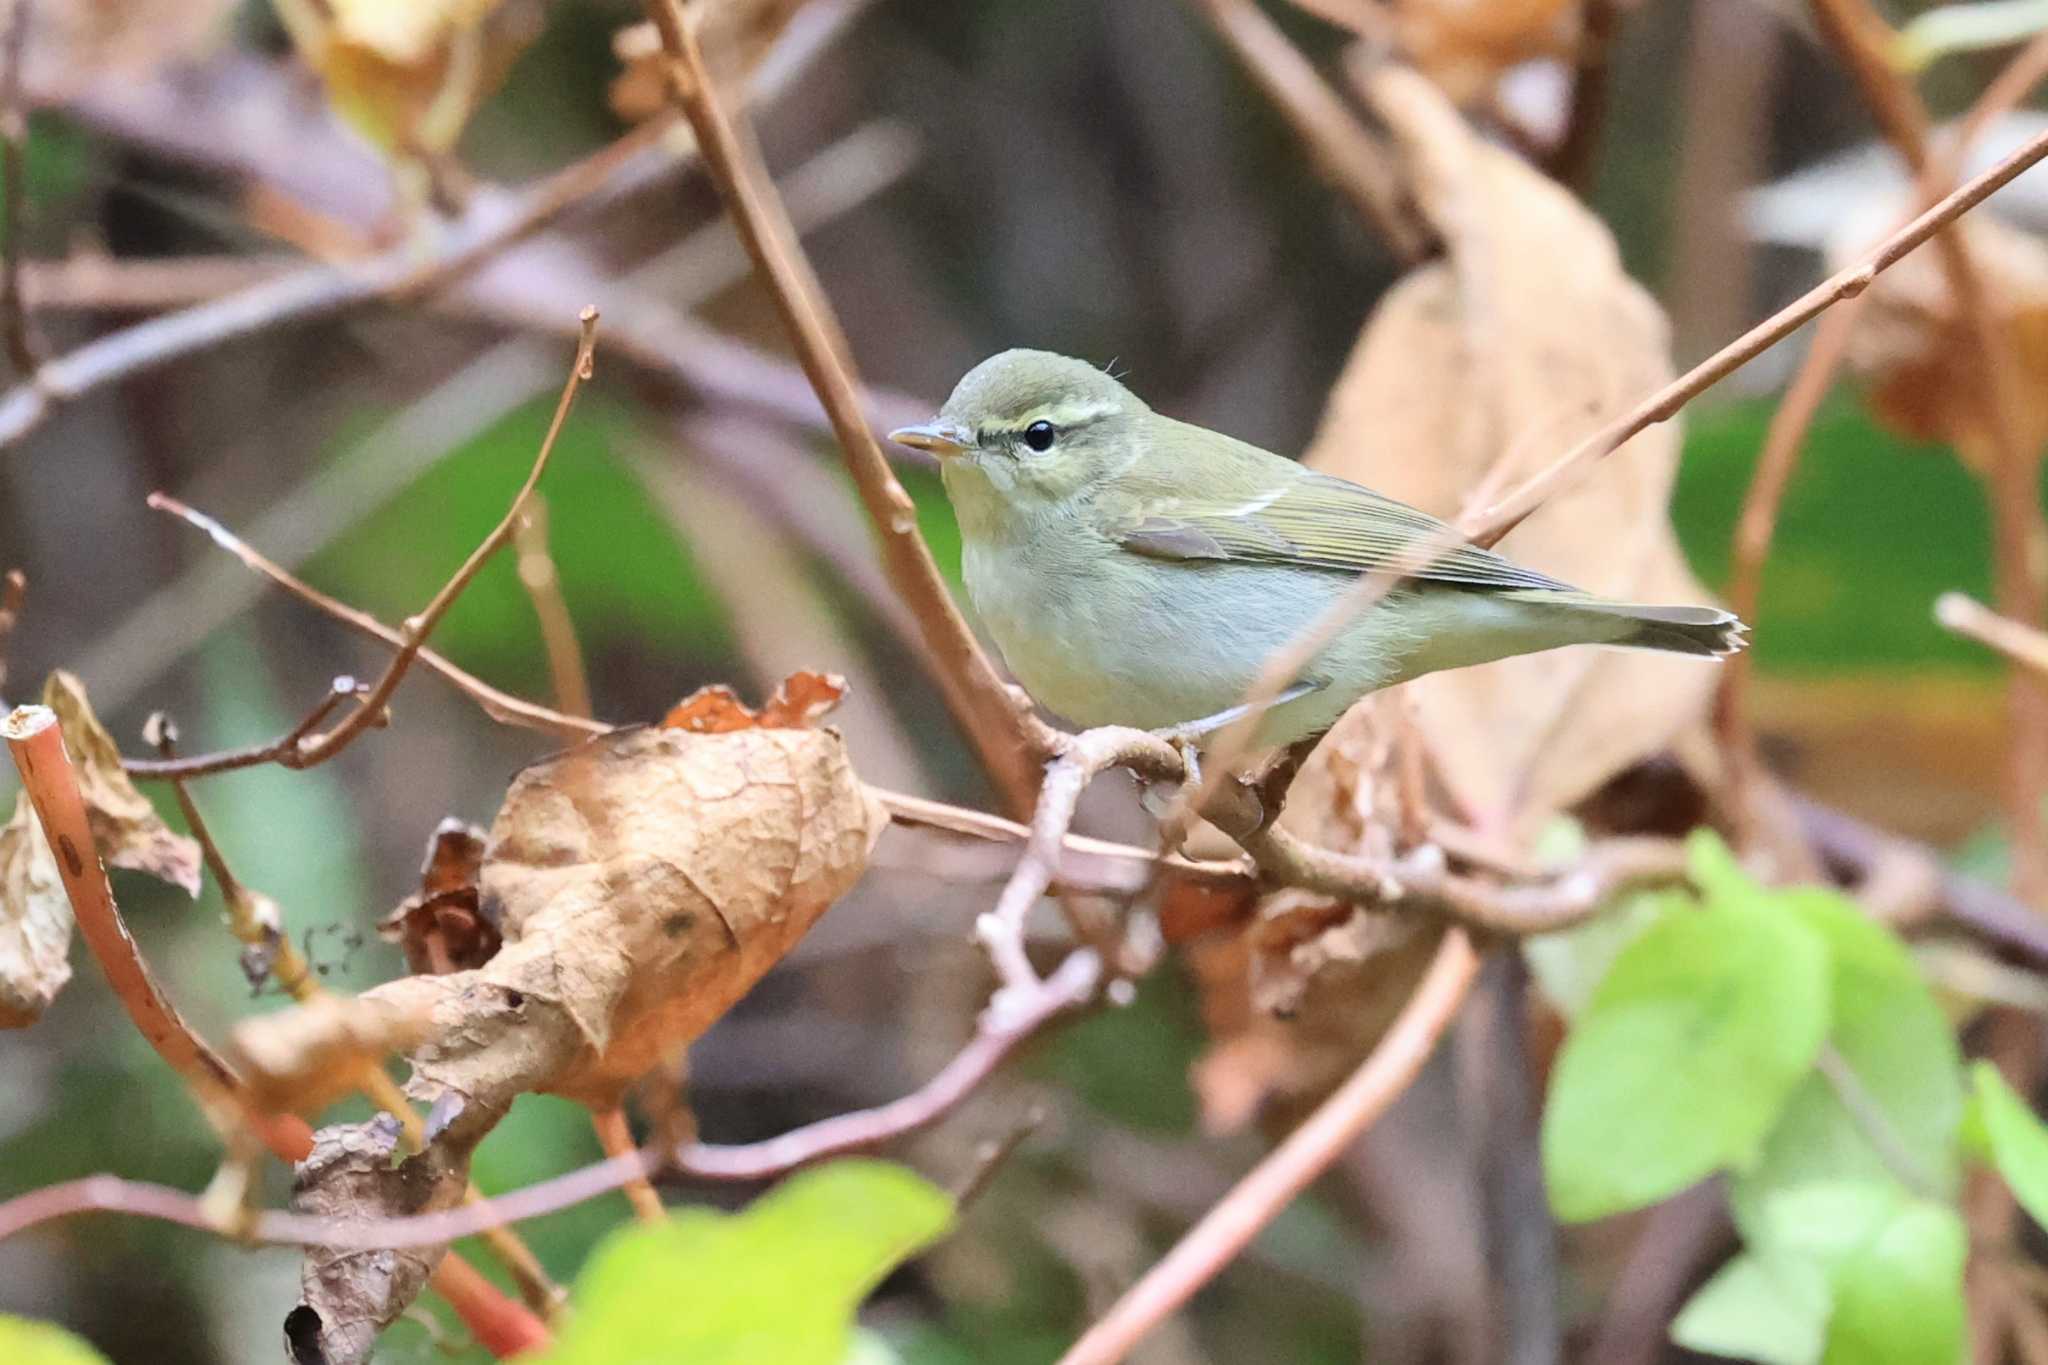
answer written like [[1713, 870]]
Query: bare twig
[[490, 227], [286, 750], [1068, 989], [1009, 740], [1350, 157], [21, 350], [52, 785], [2023, 644], [306, 750], [557, 628], [1257, 1199], [13, 593], [991, 1153], [616, 1138]]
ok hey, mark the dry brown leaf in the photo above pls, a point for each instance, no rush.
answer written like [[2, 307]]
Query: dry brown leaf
[[799, 702], [643, 882], [35, 914], [1529, 337], [442, 928], [347, 1297], [35, 920], [1913, 346]]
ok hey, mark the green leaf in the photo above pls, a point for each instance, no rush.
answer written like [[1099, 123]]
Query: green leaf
[[1712, 866], [1684, 1057], [2013, 1137], [1773, 1312], [1888, 1028], [25, 1341], [1569, 965], [1899, 1297], [777, 1284]]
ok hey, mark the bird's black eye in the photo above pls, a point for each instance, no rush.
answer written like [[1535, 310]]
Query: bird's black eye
[[1039, 436]]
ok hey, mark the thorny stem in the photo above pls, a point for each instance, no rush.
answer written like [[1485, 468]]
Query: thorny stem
[[1288, 1169], [307, 750], [1009, 741]]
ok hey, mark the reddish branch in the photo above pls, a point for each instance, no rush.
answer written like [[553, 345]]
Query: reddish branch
[[1010, 742], [1288, 1169]]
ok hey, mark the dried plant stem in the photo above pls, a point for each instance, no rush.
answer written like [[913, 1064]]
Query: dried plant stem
[[321, 291], [1068, 989], [13, 593], [1349, 156], [500, 706], [306, 750], [1289, 1168], [557, 627], [1009, 740], [2021, 643], [616, 1138], [37, 744], [14, 329]]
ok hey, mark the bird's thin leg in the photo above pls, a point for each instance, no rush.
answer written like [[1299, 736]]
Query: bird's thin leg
[[1190, 730]]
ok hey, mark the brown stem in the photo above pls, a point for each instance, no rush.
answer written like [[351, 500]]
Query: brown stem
[[305, 750], [557, 628], [616, 1138], [1288, 1169], [1349, 156], [1010, 743], [13, 593], [14, 328]]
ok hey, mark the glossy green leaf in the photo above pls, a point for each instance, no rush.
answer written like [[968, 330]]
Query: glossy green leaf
[[25, 1341], [1685, 1056], [1775, 1313], [2013, 1137], [776, 1284]]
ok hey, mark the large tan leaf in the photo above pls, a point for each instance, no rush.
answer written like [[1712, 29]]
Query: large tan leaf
[[1527, 338]]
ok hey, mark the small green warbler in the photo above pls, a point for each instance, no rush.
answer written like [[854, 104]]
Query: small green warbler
[[1136, 570]]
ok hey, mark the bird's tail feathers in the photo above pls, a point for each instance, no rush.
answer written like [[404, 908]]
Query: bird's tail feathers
[[1707, 632]]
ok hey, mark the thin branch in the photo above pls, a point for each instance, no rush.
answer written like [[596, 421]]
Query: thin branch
[[502, 707], [557, 627], [491, 226], [1069, 989], [2023, 644], [13, 593], [1349, 156], [286, 750], [1009, 740], [1285, 1172], [615, 1137], [37, 744], [14, 328], [307, 750]]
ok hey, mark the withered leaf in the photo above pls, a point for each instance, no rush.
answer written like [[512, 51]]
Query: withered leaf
[[1529, 337], [124, 824], [799, 702], [35, 920], [348, 1296], [442, 928], [1466, 46], [35, 914]]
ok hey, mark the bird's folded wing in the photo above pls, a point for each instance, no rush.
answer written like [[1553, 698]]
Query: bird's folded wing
[[1319, 522]]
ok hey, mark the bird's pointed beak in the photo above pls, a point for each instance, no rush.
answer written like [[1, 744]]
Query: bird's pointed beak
[[942, 439]]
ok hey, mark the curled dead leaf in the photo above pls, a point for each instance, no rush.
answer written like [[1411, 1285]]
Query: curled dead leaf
[[346, 1297], [35, 914], [1479, 370], [799, 702], [442, 928], [1466, 46]]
